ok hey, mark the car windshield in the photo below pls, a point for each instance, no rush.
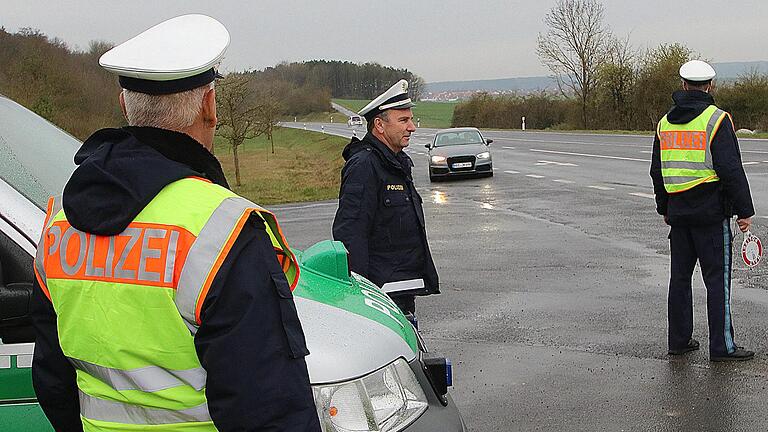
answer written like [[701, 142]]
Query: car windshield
[[36, 157], [458, 138]]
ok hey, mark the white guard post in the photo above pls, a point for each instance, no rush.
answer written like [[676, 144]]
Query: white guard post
[[523, 123]]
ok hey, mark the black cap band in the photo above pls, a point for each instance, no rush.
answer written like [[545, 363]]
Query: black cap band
[[697, 83], [168, 87], [376, 111]]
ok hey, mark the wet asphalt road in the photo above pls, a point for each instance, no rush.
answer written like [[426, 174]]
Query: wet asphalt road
[[554, 278]]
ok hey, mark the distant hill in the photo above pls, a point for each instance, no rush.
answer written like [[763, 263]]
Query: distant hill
[[725, 71], [503, 84]]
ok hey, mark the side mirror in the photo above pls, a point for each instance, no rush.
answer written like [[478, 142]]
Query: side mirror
[[15, 323], [428, 145], [488, 141]]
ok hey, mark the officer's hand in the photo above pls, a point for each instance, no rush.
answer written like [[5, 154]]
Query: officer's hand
[[666, 219], [744, 224]]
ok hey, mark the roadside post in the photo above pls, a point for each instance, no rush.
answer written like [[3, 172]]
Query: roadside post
[[305, 126], [322, 128], [331, 119], [523, 122], [294, 119], [418, 122]]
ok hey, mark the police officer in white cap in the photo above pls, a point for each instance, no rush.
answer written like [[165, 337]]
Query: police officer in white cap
[[163, 299], [699, 182], [380, 219]]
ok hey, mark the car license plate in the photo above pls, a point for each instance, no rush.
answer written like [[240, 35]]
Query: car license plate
[[462, 165]]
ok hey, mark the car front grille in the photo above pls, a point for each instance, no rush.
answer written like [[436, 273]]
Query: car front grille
[[459, 160]]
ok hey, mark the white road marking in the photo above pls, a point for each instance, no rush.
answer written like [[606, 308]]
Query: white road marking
[[643, 194], [562, 181], [534, 176], [495, 169], [750, 163], [512, 172], [754, 151], [763, 217], [283, 209], [487, 206], [573, 142], [646, 151], [508, 148], [600, 187], [419, 153], [590, 155], [543, 162]]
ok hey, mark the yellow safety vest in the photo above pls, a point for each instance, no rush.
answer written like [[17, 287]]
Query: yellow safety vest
[[128, 306], [686, 157]]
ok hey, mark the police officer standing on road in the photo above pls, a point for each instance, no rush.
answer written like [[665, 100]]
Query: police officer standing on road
[[163, 299], [699, 182], [380, 219]]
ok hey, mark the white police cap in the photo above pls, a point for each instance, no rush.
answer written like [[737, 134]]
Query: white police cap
[[396, 97], [176, 55], [697, 71]]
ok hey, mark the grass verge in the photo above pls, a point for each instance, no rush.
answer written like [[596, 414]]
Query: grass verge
[[306, 166], [318, 117], [430, 114]]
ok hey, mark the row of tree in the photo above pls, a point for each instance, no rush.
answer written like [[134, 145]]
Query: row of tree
[[345, 80], [605, 83], [70, 89]]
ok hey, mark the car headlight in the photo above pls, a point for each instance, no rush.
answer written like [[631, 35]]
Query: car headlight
[[484, 155], [387, 400], [438, 159]]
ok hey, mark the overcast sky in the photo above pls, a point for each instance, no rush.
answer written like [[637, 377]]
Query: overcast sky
[[440, 40]]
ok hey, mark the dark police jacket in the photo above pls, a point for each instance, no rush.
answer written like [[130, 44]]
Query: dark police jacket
[[707, 203], [251, 347], [380, 219]]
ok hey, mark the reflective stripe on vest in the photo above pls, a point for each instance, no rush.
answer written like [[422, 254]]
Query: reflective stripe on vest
[[118, 412], [686, 157], [208, 252], [139, 366], [148, 379], [54, 206]]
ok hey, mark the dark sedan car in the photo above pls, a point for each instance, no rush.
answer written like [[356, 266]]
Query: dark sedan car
[[459, 152]]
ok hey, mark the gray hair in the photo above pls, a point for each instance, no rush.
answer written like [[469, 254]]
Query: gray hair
[[175, 111], [384, 115]]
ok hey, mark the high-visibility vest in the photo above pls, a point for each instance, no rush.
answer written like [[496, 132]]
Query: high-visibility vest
[[686, 157], [128, 306]]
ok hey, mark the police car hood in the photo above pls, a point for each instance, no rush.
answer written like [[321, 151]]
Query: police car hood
[[351, 327], [689, 104], [121, 170]]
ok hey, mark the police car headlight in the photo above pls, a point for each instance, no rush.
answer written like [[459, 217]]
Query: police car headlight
[[484, 155], [387, 400], [437, 160]]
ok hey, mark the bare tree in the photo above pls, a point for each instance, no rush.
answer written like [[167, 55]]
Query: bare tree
[[573, 47], [416, 87], [237, 112], [616, 79], [268, 113]]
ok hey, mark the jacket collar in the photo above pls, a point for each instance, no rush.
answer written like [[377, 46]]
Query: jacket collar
[[394, 160]]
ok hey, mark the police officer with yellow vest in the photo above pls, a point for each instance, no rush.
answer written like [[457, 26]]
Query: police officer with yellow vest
[[163, 300], [699, 182]]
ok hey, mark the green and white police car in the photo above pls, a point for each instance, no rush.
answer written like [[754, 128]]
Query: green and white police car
[[369, 368]]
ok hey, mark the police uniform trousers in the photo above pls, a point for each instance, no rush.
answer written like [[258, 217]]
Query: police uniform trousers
[[711, 246]]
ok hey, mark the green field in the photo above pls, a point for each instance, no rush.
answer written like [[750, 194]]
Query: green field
[[306, 166], [431, 114]]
